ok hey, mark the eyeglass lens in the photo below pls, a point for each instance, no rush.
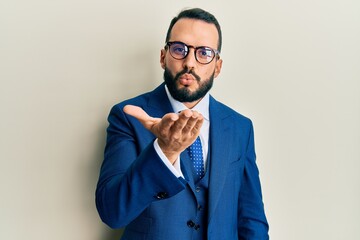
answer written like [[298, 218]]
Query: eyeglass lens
[[181, 50]]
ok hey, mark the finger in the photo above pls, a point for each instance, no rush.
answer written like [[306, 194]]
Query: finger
[[196, 129], [191, 122], [140, 114], [166, 123], [184, 116], [136, 112]]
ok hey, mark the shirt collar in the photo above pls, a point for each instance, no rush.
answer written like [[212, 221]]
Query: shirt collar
[[202, 106]]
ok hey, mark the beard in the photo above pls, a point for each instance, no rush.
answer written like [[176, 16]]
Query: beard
[[184, 94]]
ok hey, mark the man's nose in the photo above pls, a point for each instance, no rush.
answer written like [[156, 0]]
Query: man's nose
[[190, 60]]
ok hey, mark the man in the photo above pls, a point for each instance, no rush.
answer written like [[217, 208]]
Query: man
[[148, 181]]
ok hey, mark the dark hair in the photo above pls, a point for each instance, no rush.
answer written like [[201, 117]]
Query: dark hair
[[199, 14]]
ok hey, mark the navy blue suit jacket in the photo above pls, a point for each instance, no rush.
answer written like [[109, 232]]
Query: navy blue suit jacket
[[137, 191]]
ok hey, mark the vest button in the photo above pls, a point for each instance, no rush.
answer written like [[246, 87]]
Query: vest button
[[197, 189], [199, 207], [190, 224]]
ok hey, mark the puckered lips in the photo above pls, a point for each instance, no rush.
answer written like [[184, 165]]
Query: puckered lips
[[186, 79]]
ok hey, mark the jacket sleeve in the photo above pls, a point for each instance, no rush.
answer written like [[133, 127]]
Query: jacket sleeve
[[132, 175], [252, 223]]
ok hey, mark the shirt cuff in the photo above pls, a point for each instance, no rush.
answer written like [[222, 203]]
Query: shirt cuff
[[175, 169]]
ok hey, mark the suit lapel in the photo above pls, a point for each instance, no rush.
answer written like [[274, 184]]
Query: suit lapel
[[220, 149], [158, 102]]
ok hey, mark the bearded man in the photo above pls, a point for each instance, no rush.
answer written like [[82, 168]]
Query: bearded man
[[178, 164]]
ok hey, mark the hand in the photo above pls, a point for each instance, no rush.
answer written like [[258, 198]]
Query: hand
[[175, 132]]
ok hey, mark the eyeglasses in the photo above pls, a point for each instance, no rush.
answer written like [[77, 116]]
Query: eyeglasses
[[180, 50]]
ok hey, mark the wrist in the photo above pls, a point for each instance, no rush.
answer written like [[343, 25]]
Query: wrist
[[170, 154]]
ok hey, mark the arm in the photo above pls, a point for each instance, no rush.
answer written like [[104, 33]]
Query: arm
[[132, 177], [252, 220]]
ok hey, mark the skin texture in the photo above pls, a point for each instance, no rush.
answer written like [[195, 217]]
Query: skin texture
[[176, 132]]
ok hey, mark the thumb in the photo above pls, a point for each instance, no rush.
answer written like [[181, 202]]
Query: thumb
[[140, 114]]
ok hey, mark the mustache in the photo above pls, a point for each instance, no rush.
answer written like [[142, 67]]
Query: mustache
[[186, 70]]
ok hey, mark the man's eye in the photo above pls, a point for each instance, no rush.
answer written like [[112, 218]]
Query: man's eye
[[179, 50], [204, 53]]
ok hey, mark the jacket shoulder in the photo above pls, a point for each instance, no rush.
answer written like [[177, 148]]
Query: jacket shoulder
[[154, 98], [228, 112]]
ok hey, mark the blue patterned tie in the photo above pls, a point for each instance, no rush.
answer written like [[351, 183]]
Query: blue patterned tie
[[196, 155]]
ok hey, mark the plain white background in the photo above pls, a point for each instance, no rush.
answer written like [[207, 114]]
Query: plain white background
[[292, 66]]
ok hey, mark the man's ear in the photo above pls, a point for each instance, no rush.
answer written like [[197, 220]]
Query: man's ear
[[162, 58], [218, 67]]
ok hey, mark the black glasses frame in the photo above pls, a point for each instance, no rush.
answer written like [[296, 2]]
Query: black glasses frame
[[215, 52]]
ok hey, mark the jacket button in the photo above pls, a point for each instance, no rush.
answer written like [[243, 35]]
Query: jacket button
[[190, 224], [197, 189], [161, 195]]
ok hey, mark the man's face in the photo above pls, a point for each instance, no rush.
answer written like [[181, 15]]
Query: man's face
[[188, 80]]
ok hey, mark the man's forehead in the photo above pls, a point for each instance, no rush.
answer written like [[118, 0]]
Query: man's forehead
[[195, 32]]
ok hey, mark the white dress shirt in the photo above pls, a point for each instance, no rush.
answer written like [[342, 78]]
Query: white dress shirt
[[203, 108]]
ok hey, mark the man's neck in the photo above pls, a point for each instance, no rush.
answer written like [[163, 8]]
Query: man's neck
[[190, 105]]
